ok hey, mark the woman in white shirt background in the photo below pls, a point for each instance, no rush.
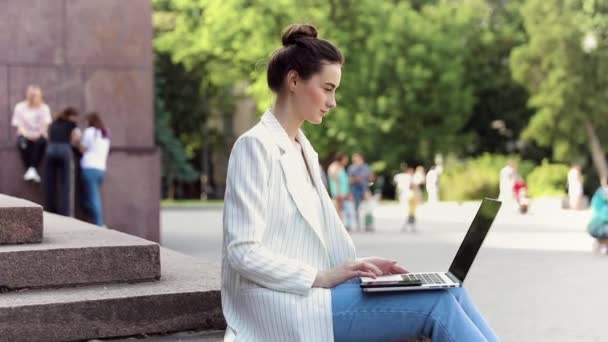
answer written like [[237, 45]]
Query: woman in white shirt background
[[95, 146], [31, 118], [289, 269]]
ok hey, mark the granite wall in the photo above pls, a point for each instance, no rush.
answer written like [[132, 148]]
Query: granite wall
[[93, 55]]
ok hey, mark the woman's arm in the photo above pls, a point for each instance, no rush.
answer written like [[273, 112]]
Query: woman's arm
[[245, 209], [75, 137]]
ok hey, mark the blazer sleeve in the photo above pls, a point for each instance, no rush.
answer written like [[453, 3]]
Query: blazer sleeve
[[245, 207]]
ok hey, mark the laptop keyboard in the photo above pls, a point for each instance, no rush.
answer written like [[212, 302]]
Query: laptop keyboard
[[425, 278]]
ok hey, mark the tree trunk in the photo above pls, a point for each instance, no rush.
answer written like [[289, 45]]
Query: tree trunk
[[595, 147], [170, 185]]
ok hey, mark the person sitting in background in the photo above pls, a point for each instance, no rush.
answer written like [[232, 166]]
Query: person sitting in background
[[63, 134], [31, 118], [598, 227], [95, 146]]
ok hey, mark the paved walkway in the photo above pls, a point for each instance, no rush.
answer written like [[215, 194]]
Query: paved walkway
[[535, 278]]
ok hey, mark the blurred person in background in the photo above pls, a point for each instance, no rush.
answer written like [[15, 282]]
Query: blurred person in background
[[360, 176], [95, 146], [432, 184], [598, 227], [31, 119], [339, 189], [63, 134], [575, 187], [506, 181], [404, 181], [419, 181]]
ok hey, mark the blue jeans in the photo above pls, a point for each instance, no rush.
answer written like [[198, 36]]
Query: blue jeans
[[91, 191], [442, 315]]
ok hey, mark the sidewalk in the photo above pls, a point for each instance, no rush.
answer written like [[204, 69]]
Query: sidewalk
[[535, 278]]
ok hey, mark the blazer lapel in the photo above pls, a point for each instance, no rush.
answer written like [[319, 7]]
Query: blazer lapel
[[289, 164]]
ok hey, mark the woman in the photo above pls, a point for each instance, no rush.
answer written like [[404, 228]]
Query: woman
[[339, 189], [95, 146], [31, 119], [289, 269], [63, 134], [598, 227]]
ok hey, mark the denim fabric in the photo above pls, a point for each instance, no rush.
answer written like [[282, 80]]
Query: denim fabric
[[442, 315], [92, 179]]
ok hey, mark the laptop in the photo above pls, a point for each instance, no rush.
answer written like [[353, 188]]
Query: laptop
[[460, 265]]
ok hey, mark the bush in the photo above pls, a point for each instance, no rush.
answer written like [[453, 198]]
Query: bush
[[477, 178], [548, 180]]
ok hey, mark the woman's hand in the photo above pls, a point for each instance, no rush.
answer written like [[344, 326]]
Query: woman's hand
[[345, 272], [387, 266]]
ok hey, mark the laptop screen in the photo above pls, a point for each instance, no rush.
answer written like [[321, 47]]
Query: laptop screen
[[474, 238]]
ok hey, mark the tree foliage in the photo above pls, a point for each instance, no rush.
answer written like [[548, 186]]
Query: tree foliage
[[409, 79], [568, 80]]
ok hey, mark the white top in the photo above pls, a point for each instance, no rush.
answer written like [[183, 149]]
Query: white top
[[403, 182], [575, 184], [432, 179], [33, 120], [97, 149], [275, 242]]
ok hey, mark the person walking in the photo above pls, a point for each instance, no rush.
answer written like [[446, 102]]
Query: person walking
[[359, 174], [289, 268], [95, 146], [406, 191], [339, 189], [432, 185], [507, 178], [575, 187], [31, 119], [63, 134]]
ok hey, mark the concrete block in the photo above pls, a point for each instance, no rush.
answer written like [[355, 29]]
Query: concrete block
[[20, 222], [76, 253], [186, 298]]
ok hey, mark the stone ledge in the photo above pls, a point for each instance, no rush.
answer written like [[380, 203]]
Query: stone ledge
[[20, 221], [186, 298], [76, 253]]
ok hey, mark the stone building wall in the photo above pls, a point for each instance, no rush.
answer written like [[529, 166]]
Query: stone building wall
[[95, 55]]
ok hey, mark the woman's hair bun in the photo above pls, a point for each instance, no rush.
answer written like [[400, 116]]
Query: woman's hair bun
[[298, 31]]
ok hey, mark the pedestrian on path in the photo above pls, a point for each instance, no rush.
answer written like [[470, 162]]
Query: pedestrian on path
[[289, 268]]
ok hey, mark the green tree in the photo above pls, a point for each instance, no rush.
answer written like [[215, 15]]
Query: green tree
[[499, 112], [175, 165], [564, 64], [403, 81]]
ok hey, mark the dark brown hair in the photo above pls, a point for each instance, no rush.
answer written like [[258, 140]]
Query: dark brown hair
[[94, 120], [67, 113], [302, 52]]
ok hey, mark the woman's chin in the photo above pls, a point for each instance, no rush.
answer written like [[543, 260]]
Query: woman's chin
[[316, 121]]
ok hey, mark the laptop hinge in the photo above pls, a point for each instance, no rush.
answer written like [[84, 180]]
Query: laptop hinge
[[453, 277]]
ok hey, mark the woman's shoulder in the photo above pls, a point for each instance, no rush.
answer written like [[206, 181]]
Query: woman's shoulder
[[257, 135]]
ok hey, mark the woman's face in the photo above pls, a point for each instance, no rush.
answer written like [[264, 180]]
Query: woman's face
[[34, 96], [316, 96]]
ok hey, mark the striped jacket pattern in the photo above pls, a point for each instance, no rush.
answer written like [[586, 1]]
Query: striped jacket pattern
[[275, 242]]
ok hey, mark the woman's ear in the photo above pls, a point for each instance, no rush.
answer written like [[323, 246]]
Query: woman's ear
[[292, 80]]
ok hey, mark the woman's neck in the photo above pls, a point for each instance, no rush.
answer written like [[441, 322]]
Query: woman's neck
[[284, 113]]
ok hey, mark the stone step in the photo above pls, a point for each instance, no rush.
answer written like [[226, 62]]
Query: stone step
[[73, 252], [20, 221], [187, 297]]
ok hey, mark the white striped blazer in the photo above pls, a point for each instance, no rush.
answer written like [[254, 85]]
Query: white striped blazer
[[275, 242]]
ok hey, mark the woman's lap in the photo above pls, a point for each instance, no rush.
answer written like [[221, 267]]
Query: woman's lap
[[447, 315]]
